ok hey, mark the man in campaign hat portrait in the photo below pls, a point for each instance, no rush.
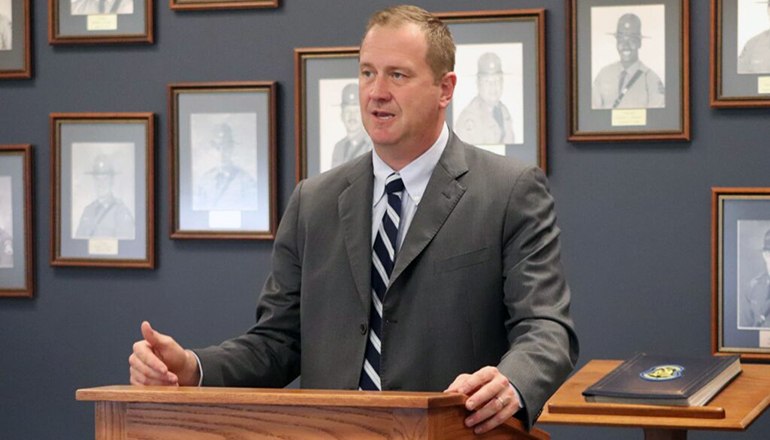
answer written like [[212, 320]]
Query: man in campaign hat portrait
[[755, 309], [6, 231], [628, 83], [107, 216], [5, 26], [6, 249], [356, 142], [755, 56], [225, 186], [486, 120]]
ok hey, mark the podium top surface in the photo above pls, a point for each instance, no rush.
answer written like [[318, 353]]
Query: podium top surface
[[268, 396], [734, 408]]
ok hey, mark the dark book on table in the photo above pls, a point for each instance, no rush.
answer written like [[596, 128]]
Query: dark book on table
[[665, 380]]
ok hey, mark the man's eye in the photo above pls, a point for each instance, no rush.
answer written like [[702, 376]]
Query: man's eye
[[398, 75]]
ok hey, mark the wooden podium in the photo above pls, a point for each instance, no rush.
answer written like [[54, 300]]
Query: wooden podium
[[733, 409], [189, 413]]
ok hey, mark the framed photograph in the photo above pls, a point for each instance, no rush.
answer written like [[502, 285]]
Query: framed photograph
[[100, 21], [500, 64], [740, 53], [15, 40], [329, 130], [102, 196], [500, 67], [222, 160], [741, 272], [16, 232], [192, 5], [629, 67]]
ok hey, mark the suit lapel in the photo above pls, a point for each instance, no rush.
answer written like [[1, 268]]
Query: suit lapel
[[354, 207], [440, 198]]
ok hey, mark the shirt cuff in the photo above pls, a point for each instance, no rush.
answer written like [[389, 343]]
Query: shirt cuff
[[200, 369], [515, 391]]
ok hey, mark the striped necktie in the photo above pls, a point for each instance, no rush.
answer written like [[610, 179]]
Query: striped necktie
[[383, 260]]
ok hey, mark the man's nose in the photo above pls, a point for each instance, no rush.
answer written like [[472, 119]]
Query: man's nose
[[380, 89]]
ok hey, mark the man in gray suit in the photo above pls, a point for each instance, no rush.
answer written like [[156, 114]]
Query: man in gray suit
[[464, 292]]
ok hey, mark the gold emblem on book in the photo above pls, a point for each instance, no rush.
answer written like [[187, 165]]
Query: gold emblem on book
[[663, 372]]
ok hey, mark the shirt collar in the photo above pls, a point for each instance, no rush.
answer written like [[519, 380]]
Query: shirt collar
[[633, 67], [415, 175]]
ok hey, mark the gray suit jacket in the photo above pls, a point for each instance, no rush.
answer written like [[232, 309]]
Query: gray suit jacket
[[478, 281]]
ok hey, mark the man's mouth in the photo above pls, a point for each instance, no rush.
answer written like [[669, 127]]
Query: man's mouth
[[379, 114]]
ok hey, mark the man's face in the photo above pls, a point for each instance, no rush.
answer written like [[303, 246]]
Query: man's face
[[400, 104], [223, 151], [490, 87], [351, 117], [103, 184], [628, 48]]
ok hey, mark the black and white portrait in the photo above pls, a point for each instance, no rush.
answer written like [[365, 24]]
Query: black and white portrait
[[224, 161], [103, 190], [753, 36], [628, 56], [89, 7], [6, 223], [488, 102], [6, 30], [753, 274], [342, 133]]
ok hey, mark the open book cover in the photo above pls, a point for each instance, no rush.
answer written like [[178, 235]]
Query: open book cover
[[665, 380]]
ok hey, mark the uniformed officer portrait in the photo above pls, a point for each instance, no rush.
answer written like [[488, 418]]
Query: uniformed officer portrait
[[224, 162], [356, 141], [107, 216], [621, 78], [102, 190], [342, 134], [753, 36], [488, 105], [754, 307], [6, 25], [89, 7], [6, 223]]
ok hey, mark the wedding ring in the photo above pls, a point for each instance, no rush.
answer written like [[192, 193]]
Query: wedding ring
[[502, 402]]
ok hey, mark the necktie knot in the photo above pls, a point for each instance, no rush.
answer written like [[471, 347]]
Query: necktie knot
[[394, 184]]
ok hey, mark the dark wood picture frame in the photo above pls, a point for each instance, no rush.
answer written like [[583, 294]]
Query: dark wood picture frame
[[24, 71], [717, 98], [718, 346], [519, 15], [574, 134], [174, 91], [201, 5], [147, 121], [55, 36], [27, 290], [303, 55]]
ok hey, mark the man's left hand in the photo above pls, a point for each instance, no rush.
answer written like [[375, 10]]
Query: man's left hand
[[490, 396]]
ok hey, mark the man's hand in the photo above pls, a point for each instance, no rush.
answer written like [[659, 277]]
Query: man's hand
[[159, 360], [490, 396]]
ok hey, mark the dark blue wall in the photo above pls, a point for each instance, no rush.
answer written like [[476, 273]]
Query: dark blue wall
[[635, 217]]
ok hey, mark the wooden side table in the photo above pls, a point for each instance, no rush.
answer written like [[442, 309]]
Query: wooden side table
[[733, 409]]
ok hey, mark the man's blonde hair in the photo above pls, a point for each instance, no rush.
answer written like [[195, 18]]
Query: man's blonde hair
[[441, 46]]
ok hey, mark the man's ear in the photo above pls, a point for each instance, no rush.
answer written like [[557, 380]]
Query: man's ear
[[448, 83]]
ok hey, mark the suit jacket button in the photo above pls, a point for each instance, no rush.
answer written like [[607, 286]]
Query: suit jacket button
[[364, 329]]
